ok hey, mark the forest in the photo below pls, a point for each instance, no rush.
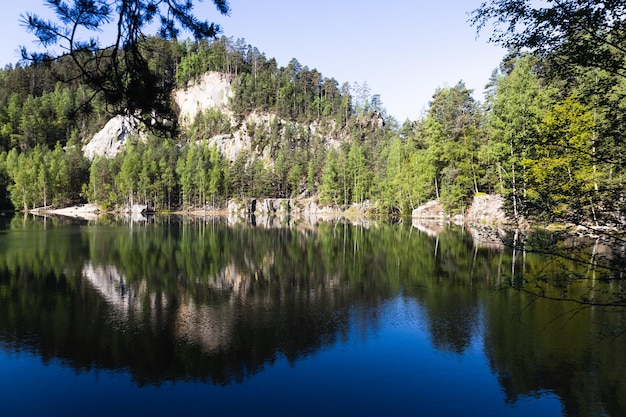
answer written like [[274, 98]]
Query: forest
[[549, 142]]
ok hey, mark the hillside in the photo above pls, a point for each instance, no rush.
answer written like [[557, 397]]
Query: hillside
[[233, 130], [233, 125], [212, 93], [210, 96]]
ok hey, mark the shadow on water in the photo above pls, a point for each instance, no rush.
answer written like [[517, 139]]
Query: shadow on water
[[202, 300]]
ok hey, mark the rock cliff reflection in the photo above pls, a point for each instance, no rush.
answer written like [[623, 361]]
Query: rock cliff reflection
[[204, 301]]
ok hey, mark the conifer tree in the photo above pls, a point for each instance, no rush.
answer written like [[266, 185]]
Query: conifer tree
[[119, 71]]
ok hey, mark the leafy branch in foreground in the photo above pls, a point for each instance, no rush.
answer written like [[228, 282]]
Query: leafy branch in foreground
[[586, 33], [120, 70]]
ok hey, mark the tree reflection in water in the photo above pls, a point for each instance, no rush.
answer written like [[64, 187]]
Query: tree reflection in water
[[173, 300]]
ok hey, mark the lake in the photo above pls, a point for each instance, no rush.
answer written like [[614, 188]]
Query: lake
[[174, 316]]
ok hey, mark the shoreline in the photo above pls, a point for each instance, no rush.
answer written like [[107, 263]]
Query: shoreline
[[269, 210]]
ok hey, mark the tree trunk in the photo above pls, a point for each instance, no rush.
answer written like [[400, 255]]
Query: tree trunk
[[24, 199]]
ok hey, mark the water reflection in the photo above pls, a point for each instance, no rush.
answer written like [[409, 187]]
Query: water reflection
[[204, 301]]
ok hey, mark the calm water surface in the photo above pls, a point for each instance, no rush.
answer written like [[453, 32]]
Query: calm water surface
[[174, 317]]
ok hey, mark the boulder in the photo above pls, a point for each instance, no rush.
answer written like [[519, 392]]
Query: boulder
[[486, 208], [139, 208], [272, 205], [431, 210]]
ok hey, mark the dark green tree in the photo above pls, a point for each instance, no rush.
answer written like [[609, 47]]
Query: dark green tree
[[454, 140], [330, 188]]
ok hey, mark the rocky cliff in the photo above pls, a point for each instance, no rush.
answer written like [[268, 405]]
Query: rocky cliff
[[109, 141], [213, 91]]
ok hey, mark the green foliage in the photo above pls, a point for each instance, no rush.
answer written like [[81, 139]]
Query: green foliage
[[40, 177], [559, 169], [293, 93], [121, 72], [209, 123], [42, 118], [206, 55], [518, 108], [569, 33], [437, 157], [455, 119], [145, 173], [552, 146], [201, 175], [101, 188], [330, 188]]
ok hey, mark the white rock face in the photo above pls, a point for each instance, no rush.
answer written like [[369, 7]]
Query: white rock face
[[430, 210], [212, 91], [231, 145], [109, 141], [487, 207]]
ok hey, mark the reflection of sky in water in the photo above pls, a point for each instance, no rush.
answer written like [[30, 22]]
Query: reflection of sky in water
[[289, 323], [385, 365]]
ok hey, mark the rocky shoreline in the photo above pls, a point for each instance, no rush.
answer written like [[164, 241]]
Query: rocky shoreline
[[484, 220], [486, 210]]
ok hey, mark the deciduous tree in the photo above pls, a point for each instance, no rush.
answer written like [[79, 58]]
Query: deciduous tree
[[579, 32]]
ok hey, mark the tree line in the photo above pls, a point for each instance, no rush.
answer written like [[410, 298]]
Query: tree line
[[551, 144]]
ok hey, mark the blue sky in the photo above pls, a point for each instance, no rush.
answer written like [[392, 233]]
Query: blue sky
[[404, 50]]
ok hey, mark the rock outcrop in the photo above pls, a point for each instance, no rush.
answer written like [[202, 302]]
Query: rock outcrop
[[109, 141], [212, 90], [484, 219], [432, 210], [485, 209], [272, 212]]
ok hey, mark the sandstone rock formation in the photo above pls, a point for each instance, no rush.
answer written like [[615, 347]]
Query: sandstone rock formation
[[212, 90], [109, 141], [485, 208]]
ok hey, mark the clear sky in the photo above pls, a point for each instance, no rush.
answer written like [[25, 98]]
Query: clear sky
[[403, 49]]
